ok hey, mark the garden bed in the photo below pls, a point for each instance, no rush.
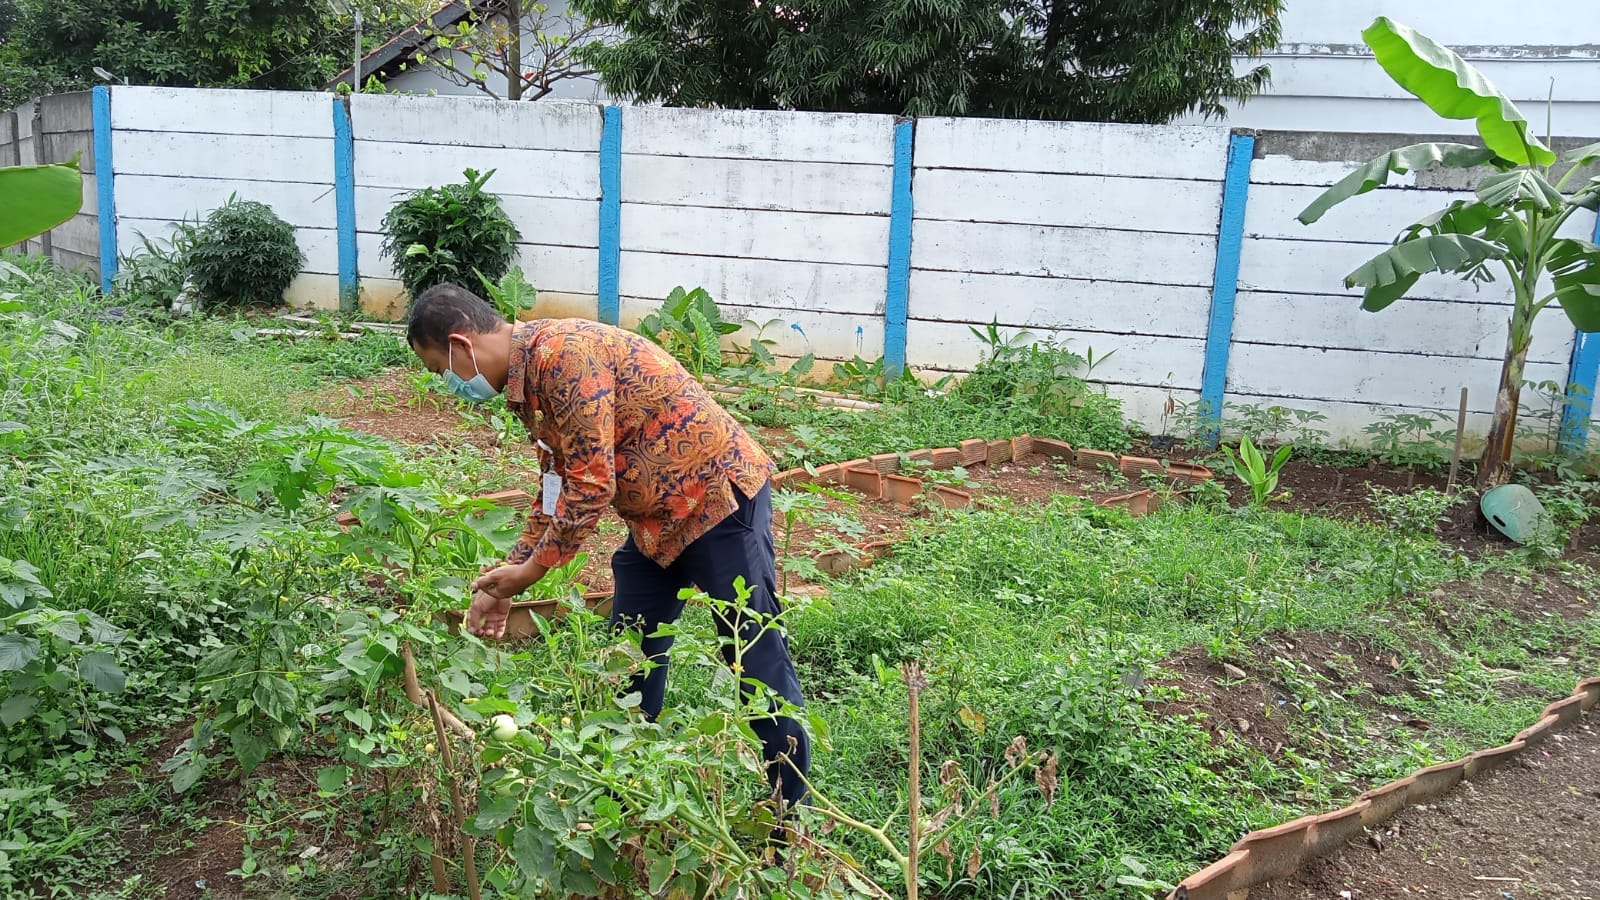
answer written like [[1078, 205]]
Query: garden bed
[[1277, 853], [1193, 674], [1525, 830], [1244, 698]]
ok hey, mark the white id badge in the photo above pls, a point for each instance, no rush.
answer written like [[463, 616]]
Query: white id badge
[[550, 492]]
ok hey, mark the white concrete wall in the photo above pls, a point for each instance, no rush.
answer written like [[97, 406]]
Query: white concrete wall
[[1301, 339], [1100, 237], [778, 215], [545, 158], [181, 153], [16, 149], [1324, 79]]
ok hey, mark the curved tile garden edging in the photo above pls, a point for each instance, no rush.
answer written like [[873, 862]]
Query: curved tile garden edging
[[880, 477], [1274, 852]]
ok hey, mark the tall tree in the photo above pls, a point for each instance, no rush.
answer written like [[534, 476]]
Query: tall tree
[[1102, 60], [55, 45]]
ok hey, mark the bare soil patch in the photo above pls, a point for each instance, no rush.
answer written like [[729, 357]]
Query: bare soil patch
[[1527, 830]]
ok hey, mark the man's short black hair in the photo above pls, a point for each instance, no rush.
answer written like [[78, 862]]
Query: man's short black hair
[[447, 309]]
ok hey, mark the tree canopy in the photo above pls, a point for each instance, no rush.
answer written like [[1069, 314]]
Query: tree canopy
[[1101, 60], [48, 46]]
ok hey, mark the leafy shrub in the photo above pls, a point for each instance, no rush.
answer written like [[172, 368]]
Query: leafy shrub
[[874, 381], [457, 234], [1413, 518], [243, 255], [1040, 388], [1412, 440]]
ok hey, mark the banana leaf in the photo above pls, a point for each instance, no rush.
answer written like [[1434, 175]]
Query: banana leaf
[[1454, 89], [1575, 267], [1520, 187], [35, 199], [1578, 157], [1460, 217], [1375, 173], [1588, 196], [1387, 276]]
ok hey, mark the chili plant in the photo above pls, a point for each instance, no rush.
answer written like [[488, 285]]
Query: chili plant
[[795, 507], [53, 665]]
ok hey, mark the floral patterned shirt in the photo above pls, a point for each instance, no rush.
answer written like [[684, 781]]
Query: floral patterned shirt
[[623, 424]]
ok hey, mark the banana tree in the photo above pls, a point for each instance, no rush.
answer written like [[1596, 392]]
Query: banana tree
[[35, 199], [1513, 225]]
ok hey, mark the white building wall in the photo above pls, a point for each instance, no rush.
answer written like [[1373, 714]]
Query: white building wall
[[1324, 79], [428, 80]]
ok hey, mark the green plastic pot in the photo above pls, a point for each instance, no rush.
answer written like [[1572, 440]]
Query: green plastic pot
[[1514, 511]]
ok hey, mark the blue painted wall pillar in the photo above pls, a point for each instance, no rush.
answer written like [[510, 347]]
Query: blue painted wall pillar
[[344, 191], [1575, 417], [610, 310], [105, 186], [901, 214], [1225, 281]]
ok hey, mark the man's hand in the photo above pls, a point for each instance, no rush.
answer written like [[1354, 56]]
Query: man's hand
[[491, 597], [487, 615]]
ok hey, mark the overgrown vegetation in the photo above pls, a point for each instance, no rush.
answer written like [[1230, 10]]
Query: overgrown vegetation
[[188, 622]]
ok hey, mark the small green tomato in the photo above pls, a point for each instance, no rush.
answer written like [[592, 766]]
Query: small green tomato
[[506, 787], [502, 727]]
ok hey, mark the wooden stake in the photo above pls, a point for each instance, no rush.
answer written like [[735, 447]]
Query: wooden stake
[[1455, 458], [408, 676], [468, 844], [441, 878], [914, 685], [413, 688]]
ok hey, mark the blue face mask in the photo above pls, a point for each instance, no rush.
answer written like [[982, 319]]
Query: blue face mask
[[474, 390]]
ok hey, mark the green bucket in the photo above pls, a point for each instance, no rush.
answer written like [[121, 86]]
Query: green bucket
[[1514, 511]]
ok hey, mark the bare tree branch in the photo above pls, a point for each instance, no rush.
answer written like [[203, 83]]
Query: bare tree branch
[[482, 50]]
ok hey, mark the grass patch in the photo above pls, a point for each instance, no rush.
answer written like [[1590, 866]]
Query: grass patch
[[1056, 624]]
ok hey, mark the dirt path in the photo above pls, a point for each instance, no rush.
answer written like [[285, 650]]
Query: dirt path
[[1528, 830]]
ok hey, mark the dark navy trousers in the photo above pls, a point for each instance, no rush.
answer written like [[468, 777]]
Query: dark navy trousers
[[647, 597]]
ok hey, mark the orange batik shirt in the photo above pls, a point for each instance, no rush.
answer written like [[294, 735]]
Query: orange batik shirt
[[623, 424]]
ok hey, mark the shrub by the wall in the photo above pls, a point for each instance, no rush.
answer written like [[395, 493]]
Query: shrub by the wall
[[243, 255], [457, 234]]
